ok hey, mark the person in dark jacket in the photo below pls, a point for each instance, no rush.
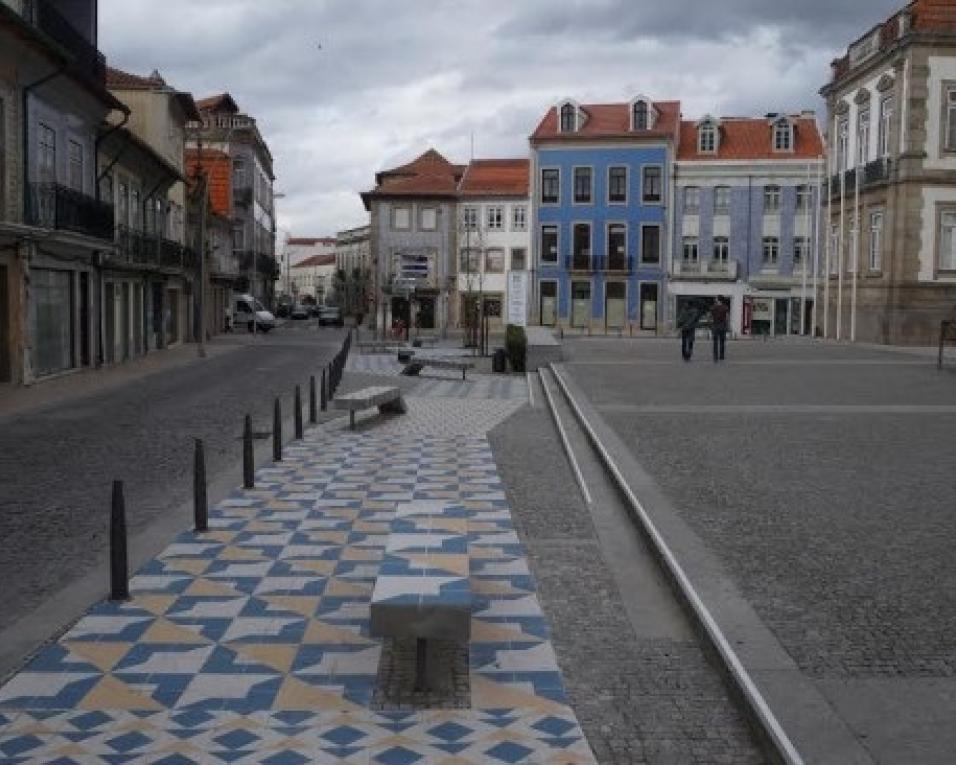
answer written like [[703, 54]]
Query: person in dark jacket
[[718, 326], [687, 321]]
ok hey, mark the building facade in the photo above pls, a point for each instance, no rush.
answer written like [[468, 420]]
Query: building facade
[[891, 203], [745, 201], [295, 250], [494, 239], [313, 280], [599, 213], [354, 268], [413, 241]]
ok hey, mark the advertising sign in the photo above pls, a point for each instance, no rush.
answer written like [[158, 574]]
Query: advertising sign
[[518, 298]]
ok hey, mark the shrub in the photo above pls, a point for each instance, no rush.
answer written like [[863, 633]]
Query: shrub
[[516, 347]]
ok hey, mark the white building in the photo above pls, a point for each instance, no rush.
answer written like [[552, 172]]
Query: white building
[[353, 259], [494, 239], [295, 251], [313, 278]]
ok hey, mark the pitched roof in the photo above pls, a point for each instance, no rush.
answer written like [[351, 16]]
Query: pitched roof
[[316, 260], [496, 177], [609, 121], [934, 15], [218, 102], [120, 80], [746, 138], [310, 241], [429, 175]]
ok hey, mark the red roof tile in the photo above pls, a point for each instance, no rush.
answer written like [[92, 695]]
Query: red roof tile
[[934, 15], [429, 175], [609, 121], [496, 177], [316, 260], [219, 102], [310, 241], [120, 80], [752, 138]]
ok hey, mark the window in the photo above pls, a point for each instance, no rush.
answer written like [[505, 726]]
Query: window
[[652, 184], [493, 307], [640, 115], [469, 218], [581, 247], [876, 241], [428, 219], [519, 218], [886, 119], [568, 118], [401, 218], [549, 244], [771, 199], [771, 251], [238, 239], [650, 244], [550, 183], [692, 199], [495, 260], [239, 178], [519, 258], [135, 210], [46, 153], [76, 165], [122, 202], [947, 241], [707, 138], [951, 119], [863, 137], [801, 250], [616, 247], [782, 136], [843, 144], [722, 199], [804, 195], [617, 184], [582, 185], [721, 249], [470, 260], [691, 249], [495, 218]]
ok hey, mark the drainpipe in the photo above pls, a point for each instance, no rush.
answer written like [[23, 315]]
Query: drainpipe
[[96, 150]]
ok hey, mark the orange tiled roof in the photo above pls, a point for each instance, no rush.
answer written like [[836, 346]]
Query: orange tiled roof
[[310, 241], [316, 260], [429, 175], [752, 138], [604, 121], [218, 102], [496, 177], [934, 15], [117, 78]]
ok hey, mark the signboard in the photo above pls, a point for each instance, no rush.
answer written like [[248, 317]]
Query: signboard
[[762, 309], [518, 298]]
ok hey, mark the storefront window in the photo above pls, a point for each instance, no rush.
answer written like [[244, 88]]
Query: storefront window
[[51, 315]]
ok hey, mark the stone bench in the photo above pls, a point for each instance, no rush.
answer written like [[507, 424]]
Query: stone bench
[[379, 346], [418, 363], [386, 398], [422, 590]]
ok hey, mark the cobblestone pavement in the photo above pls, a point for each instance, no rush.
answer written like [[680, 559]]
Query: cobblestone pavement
[[251, 642], [639, 699], [57, 462], [823, 476]]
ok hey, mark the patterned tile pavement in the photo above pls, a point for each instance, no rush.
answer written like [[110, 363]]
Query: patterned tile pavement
[[251, 643]]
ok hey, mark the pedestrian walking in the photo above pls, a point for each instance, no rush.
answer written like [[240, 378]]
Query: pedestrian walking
[[718, 327], [687, 321]]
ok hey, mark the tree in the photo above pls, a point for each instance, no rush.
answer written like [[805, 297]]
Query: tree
[[471, 267]]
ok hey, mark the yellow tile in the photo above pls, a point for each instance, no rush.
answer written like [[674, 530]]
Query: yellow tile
[[278, 657], [240, 554], [340, 588], [155, 604], [163, 631], [485, 632], [110, 693], [194, 566], [306, 605], [488, 694], [297, 695], [206, 588], [103, 656], [319, 633]]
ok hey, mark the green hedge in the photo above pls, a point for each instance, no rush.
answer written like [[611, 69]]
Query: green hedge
[[516, 347]]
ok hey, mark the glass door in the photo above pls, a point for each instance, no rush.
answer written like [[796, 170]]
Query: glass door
[[648, 306], [549, 303], [580, 304], [615, 301]]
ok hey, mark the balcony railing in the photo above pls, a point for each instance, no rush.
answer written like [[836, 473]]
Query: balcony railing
[[877, 171], [581, 260], [705, 269], [617, 263], [58, 207], [88, 61], [137, 248]]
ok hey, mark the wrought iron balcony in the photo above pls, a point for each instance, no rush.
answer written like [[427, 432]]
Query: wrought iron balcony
[[877, 171], [88, 61], [58, 207], [619, 263], [242, 196], [580, 260]]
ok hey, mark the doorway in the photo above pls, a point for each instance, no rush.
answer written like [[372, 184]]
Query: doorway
[[549, 303], [85, 319], [580, 304], [648, 306], [615, 304]]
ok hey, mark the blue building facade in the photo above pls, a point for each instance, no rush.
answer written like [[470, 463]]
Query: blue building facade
[[600, 212]]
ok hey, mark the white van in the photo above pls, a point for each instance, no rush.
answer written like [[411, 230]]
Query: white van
[[242, 313]]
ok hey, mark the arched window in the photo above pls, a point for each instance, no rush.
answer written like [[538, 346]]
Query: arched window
[[640, 115], [568, 118]]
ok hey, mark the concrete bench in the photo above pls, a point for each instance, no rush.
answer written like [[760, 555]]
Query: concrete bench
[[379, 346], [386, 398], [422, 590], [420, 362]]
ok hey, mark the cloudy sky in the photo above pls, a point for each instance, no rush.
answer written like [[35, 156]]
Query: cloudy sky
[[342, 88]]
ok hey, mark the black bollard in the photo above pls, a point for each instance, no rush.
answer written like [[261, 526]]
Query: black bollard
[[119, 561], [325, 391], [313, 405], [248, 456], [277, 432], [200, 499], [297, 413]]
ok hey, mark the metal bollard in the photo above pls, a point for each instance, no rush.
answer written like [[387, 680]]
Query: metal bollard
[[248, 456], [200, 498], [119, 561], [297, 413], [277, 432], [313, 405], [325, 391]]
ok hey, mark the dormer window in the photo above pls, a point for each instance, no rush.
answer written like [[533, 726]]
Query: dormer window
[[569, 118], [707, 137], [782, 135], [640, 115]]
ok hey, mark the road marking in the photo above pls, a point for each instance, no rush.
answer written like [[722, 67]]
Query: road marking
[[567, 444], [755, 699]]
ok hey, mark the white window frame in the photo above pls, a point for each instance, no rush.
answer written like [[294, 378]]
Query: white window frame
[[949, 104], [782, 136], [721, 252], [524, 258], [495, 218], [947, 240], [660, 182], [863, 136], [887, 106], [607, 238], [626, 179], [557, 199], [557, 244], [421, 217], [590, 248], [875, 261], [771, 199], [469, 218], [407, 209], [801, 252], [660, 244], [470, 256], [519, 218], [487, 263], [707, 138], [692, 199], [770, 251], [722, 208], [574, 185], [843, 143], [640, 115], [804, 197], [690, 249]]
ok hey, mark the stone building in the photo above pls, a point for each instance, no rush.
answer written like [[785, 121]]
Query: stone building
[[891, 204], [353, 261]]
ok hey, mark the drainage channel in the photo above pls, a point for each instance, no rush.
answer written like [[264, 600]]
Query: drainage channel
[[646, 558]]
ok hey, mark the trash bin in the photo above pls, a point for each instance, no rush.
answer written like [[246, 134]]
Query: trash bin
[[499, 362]]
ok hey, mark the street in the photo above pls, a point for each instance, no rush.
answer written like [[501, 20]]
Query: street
[[57, 463]]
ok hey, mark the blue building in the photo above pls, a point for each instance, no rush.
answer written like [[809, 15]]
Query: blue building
[[599, 189]]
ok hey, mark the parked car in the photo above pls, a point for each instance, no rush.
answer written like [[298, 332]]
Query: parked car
[[331, 315], [299, 311], [243, 313]]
